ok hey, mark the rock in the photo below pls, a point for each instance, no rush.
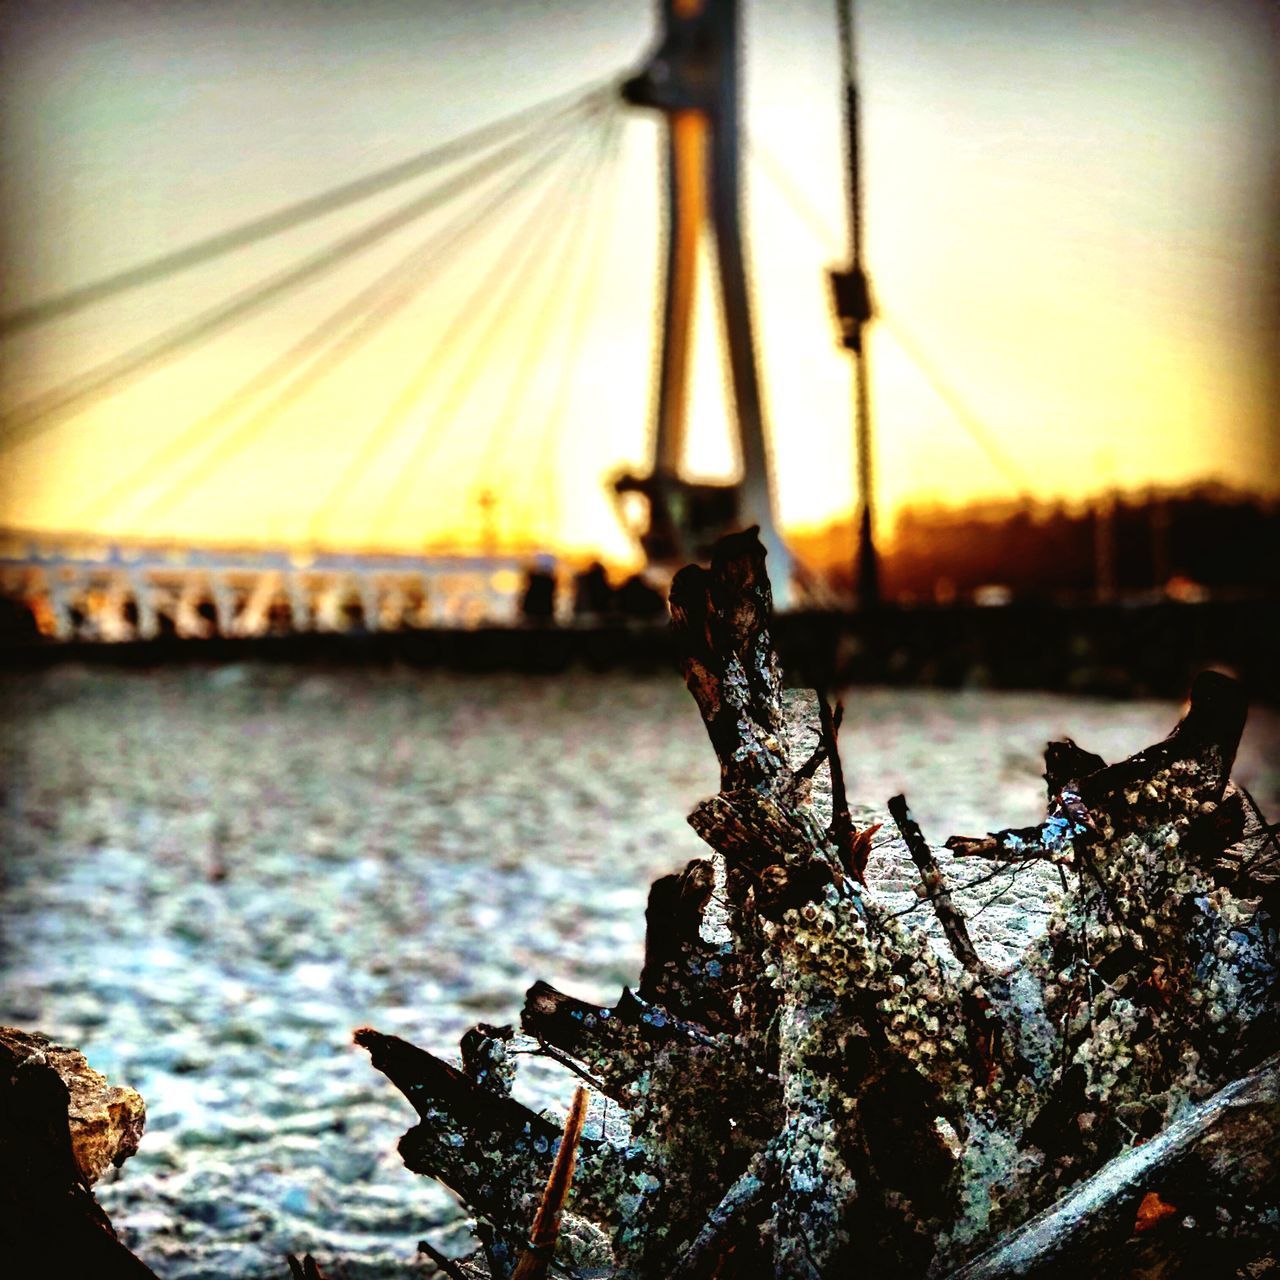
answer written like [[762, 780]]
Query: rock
[[105, 1120], [61, 1125]]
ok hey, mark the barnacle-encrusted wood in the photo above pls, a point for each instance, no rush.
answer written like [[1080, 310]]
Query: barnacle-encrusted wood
[[817, 1085]]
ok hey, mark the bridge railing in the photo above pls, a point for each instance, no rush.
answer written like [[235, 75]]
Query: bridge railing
[[114, 594]]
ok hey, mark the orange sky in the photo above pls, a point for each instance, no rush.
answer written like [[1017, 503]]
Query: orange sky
[[1070, 214]]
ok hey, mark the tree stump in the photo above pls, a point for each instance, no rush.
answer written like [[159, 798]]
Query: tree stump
[[816, 1083]]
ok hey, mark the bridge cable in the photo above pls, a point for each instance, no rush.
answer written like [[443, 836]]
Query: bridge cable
[[364, 315], [521, 246], [491, 300], [509, 424], [975, 428], [526, 120], [394, 416], [587, 301], [794, 197], [47, 410], [963, 415], [197, 433], [553, 245]]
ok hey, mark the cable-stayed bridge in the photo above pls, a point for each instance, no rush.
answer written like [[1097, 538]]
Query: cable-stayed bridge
[[538, 177], [522, 206]]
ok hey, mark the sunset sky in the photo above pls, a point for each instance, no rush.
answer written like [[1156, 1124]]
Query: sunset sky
[[1071, 209]]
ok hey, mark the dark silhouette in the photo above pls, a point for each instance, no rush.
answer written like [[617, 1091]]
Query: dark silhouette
[[1206, 541], [538, 603], [638, 600], [593, 596], [17, 621]]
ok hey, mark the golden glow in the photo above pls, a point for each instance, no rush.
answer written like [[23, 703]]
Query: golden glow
[[688, 141], [1075, 265]]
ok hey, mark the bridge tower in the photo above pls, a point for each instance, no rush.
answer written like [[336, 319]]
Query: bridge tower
[[692, 79]]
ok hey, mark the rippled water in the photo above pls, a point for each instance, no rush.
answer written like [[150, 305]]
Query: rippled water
[[212, 877]]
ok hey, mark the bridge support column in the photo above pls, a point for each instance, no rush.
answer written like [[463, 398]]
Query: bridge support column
[[692, 78], [186, 619], [367, 588], [224, 605], [144, 600], [299, 602], [59, 585], [113, 621]]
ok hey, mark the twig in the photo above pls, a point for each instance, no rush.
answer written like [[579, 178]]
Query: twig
[[812, 764], [953, 924], [992, 848], [549, 1051], [546, 1225], [447, 1265], [1054, 840], [748, 1191], [1018, 870], [1002, 869]]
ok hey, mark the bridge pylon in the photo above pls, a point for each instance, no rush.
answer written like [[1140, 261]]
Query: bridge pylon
[[692, 78]]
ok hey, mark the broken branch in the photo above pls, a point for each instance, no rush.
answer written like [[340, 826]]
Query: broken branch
[[546, 1226], [935, 885]]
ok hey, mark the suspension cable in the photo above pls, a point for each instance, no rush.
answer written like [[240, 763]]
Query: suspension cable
[[551, 241], [379, 302], [490, 300], [586, 299], [295, 215], [198, 432], [39, 414], [963, 415], [793, 196], [974, 427], [520, 247], [509, 424]]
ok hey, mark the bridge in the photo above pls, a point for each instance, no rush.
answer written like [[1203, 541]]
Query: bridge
[[86, 589], [523, 202]]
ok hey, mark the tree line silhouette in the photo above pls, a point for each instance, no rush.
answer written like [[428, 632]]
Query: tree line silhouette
[[1187, 543]]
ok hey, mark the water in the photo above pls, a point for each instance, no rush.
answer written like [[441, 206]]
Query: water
[[212, 877]]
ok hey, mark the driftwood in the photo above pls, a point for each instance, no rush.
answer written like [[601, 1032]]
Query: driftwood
[[1219, 1160], [816, 1086], [61, 1127]]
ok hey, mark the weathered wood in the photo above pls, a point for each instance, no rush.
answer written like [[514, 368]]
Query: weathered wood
[[493, 1152], [486, 1147], [684, 972], [304, 1268], [444, 1264], [707, 1253], [1215, 1171], [720, 618], [1065, 763], [1203, 743], [813, 1083]]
